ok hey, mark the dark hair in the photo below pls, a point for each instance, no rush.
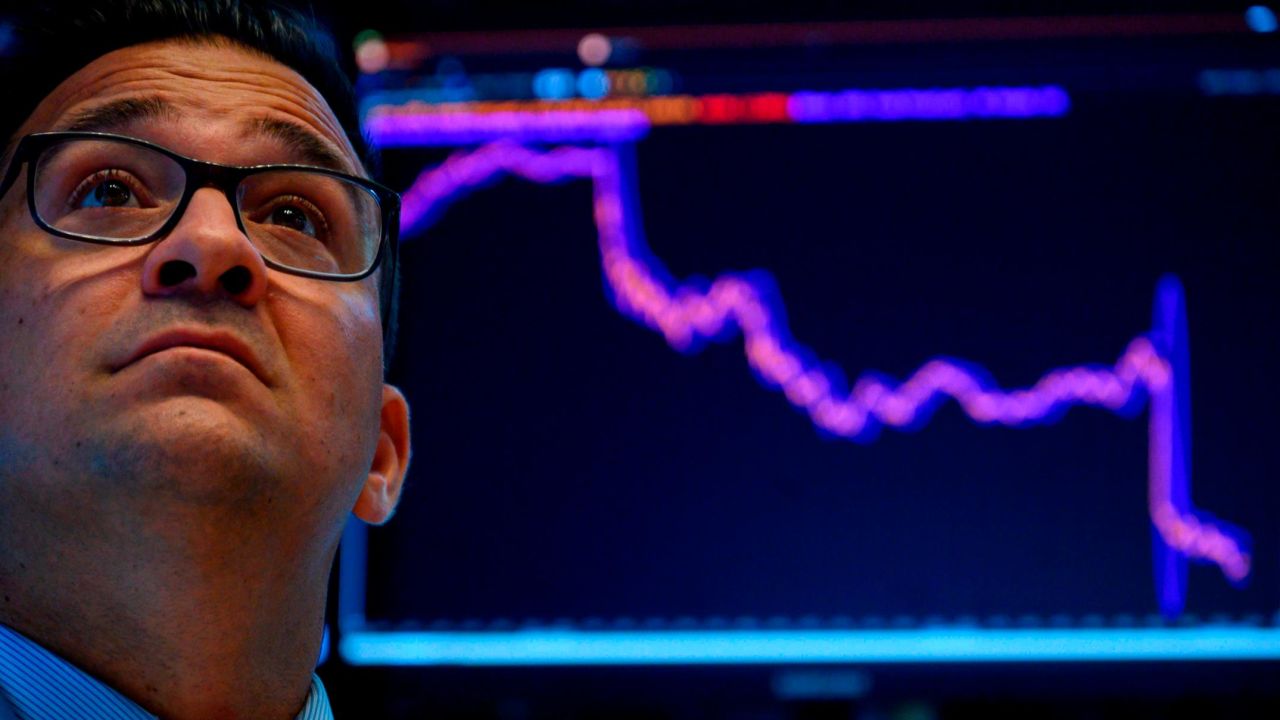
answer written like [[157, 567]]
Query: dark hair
[[53, 40]]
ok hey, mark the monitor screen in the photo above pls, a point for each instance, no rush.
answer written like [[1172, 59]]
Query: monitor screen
[[918, 351]]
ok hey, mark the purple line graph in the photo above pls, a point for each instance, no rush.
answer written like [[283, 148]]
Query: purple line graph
[[1153, 367]]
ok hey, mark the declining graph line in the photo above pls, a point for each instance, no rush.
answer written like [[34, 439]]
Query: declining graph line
[[1153, 365]]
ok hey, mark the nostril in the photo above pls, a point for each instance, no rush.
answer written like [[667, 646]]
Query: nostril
[[175, 272], [236, 280]]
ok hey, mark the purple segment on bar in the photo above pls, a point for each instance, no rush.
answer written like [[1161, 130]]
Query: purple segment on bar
[[469, 128], [940, 104]]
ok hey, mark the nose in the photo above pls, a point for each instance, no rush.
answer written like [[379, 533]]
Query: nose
[[206, 256]]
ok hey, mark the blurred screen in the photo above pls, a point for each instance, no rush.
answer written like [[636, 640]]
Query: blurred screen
[[579, 464]]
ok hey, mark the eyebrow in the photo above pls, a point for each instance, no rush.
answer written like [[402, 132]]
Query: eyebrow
[[118, 114], [298, 140]]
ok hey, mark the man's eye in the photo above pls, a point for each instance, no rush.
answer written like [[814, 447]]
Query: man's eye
[[103, 190], [294, 219], [299, 216]]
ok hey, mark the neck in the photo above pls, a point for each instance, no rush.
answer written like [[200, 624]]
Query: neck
[[206, 619]]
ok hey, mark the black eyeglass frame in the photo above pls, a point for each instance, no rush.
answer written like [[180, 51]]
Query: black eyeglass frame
[[201, 174]]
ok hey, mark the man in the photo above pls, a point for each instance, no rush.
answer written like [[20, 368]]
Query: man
[[191, 395]]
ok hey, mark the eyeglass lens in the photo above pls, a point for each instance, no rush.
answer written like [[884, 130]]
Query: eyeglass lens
[[117, 191]]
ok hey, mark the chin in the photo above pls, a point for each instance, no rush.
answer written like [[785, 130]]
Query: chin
[[190, 449]]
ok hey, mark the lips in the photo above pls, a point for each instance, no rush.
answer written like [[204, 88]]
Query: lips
[[217, 341]]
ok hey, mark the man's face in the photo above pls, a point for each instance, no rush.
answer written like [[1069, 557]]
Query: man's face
[[268, 399]]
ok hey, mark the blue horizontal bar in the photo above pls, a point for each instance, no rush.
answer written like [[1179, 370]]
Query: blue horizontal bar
[[932, 645]]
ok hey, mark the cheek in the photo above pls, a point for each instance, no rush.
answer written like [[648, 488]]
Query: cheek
[[58, 290], [54, 305], [34, 395], [332, 337], [57, 316]]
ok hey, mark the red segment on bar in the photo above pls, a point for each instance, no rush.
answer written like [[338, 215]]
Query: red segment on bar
[[768, 107], [721, 109]]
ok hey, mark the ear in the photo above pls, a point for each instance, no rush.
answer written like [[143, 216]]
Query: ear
[[381, 489]]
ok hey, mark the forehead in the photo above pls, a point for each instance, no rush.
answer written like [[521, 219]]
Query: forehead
[[203, 97]]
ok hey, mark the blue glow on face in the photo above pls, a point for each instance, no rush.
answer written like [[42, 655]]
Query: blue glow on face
[[1260, 19], [324, 647], [553, 84], [593, 83], [930, 645], [6, 37]]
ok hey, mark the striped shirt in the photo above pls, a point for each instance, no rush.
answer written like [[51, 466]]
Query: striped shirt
[[38, 685]]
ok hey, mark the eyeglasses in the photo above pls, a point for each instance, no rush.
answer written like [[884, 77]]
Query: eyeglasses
[[117, 190]]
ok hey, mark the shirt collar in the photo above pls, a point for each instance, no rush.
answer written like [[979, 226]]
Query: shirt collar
[[42, 686], [317, 705]]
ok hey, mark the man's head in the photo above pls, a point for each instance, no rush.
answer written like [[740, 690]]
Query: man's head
[[184, 381], [55, 39]]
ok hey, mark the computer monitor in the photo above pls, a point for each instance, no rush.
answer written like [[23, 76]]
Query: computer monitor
[[907, 343]]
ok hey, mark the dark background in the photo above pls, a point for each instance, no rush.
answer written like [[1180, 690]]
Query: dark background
[[460, 15], [571, 468]]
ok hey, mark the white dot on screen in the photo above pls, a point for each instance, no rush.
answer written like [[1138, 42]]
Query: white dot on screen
[[372, 56], [594, 49]]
